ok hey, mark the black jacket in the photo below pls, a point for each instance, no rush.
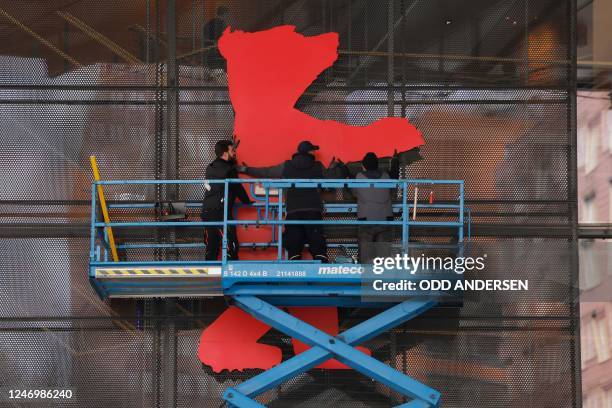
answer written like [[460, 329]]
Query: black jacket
[[301, 166], [221, 169]]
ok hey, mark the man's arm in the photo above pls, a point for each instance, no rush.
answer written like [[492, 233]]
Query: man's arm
[[336, 170], [241, 193], [264, 172], [394, 167], [238, 190]]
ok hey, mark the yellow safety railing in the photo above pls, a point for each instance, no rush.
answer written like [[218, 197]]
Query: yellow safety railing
[[109, 230]]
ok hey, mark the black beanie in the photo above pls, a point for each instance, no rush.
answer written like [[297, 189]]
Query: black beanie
[[370, 161]]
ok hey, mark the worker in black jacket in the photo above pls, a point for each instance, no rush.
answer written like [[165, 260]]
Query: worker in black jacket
[[301, 203], [223, 167]]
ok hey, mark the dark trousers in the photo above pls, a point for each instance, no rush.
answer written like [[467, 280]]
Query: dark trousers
[[374, 241], [296, 236], [213, 236]]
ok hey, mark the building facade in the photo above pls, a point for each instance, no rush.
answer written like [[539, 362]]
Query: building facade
[[595, 207]]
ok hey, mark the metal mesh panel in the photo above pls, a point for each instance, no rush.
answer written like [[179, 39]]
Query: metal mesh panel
[[487, 83], [85, 360]]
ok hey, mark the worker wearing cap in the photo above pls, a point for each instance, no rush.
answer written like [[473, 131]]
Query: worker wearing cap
[[374, 204], [301, 203]]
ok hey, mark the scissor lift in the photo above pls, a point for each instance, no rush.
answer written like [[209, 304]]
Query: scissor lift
[[261, 287]]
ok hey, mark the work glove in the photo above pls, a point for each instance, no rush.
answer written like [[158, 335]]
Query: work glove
[[242, 168]]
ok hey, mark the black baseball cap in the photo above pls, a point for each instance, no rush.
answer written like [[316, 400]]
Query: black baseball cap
[[305, 146], [370, 161]]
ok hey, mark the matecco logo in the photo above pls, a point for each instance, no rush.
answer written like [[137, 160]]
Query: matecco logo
[[340, 270]]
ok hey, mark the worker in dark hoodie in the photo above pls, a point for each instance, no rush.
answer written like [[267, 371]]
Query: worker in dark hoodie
[[375, 204], [223, 167], [301, 203]]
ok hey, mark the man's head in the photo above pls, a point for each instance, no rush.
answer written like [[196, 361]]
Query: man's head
[[370, 161], [224, 149], [306, 147]]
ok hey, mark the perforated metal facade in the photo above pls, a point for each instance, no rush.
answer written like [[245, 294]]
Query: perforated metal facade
[[489, 83]]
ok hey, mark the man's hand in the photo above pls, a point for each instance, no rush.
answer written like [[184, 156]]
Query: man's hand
[[336, 170], [242, 168]]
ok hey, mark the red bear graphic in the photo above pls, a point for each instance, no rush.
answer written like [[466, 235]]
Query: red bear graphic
[[267, 72]]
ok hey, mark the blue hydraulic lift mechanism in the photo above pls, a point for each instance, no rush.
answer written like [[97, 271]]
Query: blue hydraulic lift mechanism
[[260, 287]]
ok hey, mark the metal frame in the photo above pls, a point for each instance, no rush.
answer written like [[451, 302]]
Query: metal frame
[[325, 346], [176, 278], [259, 287], [180, 282], [265, 203]]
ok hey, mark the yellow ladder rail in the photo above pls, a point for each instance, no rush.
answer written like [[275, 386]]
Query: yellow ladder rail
[[109, 230]]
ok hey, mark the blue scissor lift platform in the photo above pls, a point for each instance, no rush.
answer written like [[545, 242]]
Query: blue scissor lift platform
[[262, 287]]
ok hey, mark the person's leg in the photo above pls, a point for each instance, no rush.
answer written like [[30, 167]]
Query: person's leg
[[293, 238], [232, 243], [366, 238], [382, 238], [212, 239], [212, 236], [317, 243]]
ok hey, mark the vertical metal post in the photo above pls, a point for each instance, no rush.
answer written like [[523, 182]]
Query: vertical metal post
[[172, 97], [159, 128], [526, 43], [35, 48], [267, 204], [66, 45], [365, 44], [279, 255], [461, 207], [169, 354], [390, 59], [572, 196], [157, 355], [172, 172], [572, 161], [325, 17], [475, 22], [225, 212], [405, 217], [203, 37], [92, 230], [193, 25], [403, 60], [441, 52], [350, 34], [148, 32], [172, 116]]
